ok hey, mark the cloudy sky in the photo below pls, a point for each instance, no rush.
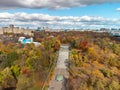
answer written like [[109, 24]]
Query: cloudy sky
[[61, 13]]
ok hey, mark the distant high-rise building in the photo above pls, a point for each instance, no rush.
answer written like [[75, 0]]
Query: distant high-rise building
[[16, 30], [11, 26]]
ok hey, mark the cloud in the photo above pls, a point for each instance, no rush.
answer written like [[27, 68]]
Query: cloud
[[50, 4], [118, 9], [39, 20]]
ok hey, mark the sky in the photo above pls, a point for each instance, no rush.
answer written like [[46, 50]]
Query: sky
[[62, 14]]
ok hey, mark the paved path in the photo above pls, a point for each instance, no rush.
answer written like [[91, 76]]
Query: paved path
[[61, 69]]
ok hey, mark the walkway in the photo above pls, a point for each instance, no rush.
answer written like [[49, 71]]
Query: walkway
[[61, 69]]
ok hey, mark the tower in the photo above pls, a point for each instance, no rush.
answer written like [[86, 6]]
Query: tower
[[11, 27]]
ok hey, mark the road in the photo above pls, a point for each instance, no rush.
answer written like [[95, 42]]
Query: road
[[60, 69]]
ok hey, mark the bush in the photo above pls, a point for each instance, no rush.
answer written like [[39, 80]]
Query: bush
[[114, 85], [7, 80], [11, 57], [15, 70], [106, 73]]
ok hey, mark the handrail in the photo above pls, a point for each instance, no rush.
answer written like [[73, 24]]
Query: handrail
[[54, 63]]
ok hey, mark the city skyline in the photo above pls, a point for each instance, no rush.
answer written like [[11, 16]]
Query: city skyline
[[61, 14]]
